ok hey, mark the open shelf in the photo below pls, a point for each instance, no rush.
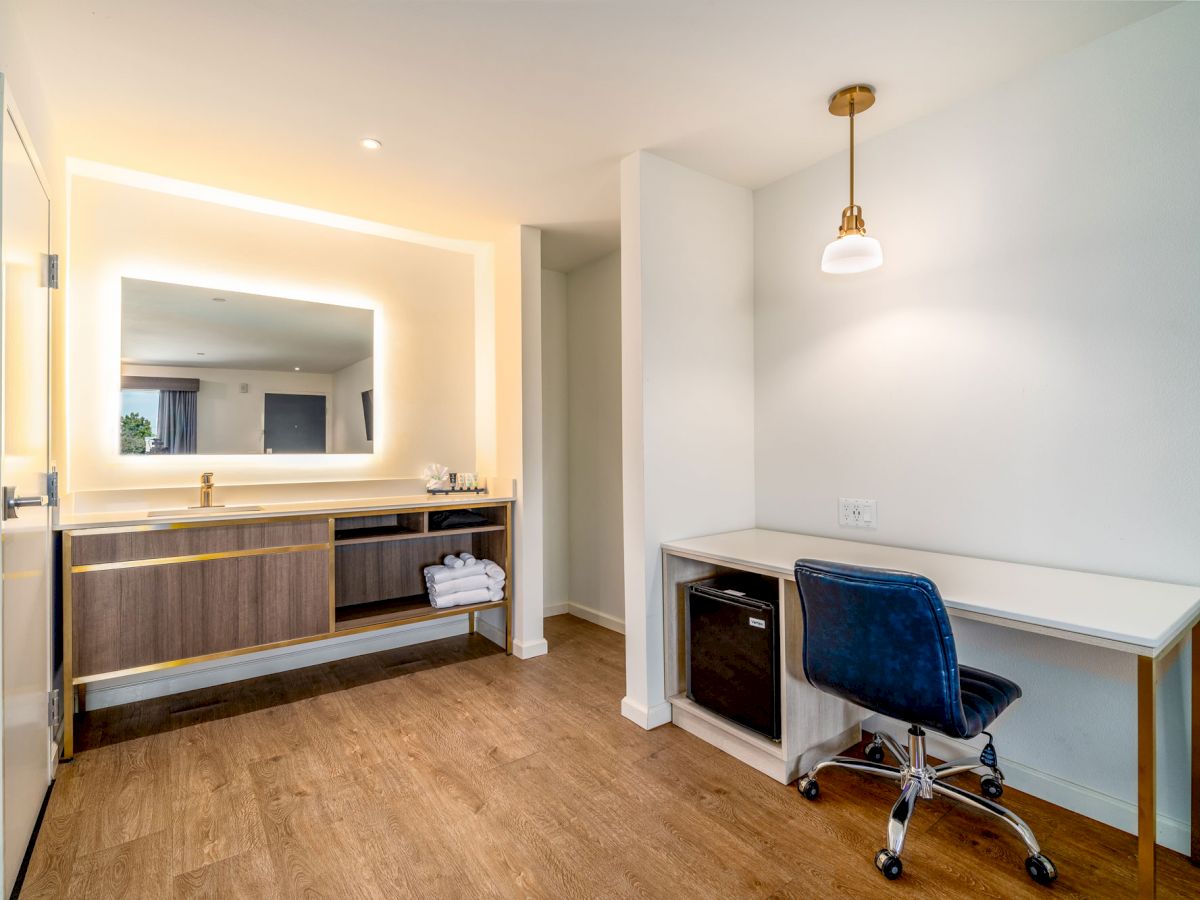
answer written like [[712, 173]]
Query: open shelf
[[399, 610], [388, 533]]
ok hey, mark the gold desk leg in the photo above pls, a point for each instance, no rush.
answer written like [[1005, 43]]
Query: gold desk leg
[[1196, 745], [471, 623], [1147, 818]]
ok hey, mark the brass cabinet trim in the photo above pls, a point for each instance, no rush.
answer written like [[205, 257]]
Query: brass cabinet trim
[[332, 575], [175, 526], [68, 657], [194, 557], [392, 510], [434, 613]]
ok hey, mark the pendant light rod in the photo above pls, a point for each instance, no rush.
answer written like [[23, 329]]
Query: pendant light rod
[[852, 151]]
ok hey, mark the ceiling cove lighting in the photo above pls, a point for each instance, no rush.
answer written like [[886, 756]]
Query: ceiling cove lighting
[[371, 143], [852, 251]]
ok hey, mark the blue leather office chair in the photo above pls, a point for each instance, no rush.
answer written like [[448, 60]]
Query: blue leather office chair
[[882, 640]]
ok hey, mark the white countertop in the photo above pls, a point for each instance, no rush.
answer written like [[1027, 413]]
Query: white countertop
[[125, 517], [1143, 617]]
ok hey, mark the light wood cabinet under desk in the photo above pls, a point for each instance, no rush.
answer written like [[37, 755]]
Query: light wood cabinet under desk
[[814, 724], [138, 598]]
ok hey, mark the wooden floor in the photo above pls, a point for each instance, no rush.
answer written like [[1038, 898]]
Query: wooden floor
[[451, 770]]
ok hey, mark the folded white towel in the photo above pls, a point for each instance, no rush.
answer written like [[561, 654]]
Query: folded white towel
[[493, 570], [466, 558], [496, 592], [480, 595], [441, 574], [453, 562], [459, 585]]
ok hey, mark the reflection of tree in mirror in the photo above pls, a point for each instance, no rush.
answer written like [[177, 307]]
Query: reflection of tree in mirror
[[135, 428]]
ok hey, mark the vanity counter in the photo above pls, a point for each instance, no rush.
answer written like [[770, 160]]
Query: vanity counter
[[126, 517]]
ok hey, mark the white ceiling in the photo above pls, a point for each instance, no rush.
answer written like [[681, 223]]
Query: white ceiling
[[183, 325], [500, 111]]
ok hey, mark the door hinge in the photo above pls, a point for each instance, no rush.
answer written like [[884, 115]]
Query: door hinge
[[54, 708], [52, 271], [52, 488]]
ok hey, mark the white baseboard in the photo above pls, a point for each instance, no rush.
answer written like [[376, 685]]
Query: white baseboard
[[652, 717], [1086, 801], [132, 688], [530, 649], [604, 620], [556, 609]]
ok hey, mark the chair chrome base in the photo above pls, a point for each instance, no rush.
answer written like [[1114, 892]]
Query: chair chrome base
[[919, 780]]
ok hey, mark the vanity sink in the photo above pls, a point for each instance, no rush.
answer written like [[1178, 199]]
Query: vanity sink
[[202, 511]]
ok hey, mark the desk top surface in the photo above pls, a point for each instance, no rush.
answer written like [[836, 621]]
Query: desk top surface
[[1142, 617]]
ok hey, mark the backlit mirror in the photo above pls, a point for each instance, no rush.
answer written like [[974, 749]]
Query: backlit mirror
[[210, 371]]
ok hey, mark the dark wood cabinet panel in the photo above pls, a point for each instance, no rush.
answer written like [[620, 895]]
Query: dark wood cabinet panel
[[95, 617], [91, 549], [140, 616], [292, 593]]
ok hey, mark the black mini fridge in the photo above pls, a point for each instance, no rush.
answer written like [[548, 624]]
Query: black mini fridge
[[732, 649]]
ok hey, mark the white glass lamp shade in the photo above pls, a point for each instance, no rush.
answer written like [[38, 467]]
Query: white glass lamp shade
[[850, 254]]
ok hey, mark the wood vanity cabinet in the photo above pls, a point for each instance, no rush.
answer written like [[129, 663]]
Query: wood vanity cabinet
[[143, 597]]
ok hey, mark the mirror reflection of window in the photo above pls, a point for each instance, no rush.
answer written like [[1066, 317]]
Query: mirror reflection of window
[[139, 420], [199, 367]]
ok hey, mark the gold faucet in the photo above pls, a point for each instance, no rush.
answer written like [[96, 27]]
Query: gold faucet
[[206, 488]]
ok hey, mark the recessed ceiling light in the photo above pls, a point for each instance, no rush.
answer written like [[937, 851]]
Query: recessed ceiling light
[[297, 369], [372, 143]]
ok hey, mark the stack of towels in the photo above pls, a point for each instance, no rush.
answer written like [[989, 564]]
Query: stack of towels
[[463, 579]]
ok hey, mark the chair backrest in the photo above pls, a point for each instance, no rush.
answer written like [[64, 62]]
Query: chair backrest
[[880, 639]]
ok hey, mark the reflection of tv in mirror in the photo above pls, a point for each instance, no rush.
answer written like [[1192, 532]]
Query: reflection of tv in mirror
[[211, 371]]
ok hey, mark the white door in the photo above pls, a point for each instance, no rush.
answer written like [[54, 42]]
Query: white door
[[25, 546]]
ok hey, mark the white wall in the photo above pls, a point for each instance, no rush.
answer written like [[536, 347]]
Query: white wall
[[555, 469], [424, 297], [1019, 380], [687, 387], [349, 428], [593, 340]]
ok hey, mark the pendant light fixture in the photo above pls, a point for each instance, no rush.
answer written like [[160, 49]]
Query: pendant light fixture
[[852, 251]]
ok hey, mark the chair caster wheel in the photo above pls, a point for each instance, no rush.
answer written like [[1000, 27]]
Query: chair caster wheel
[[991, 787], [1041, 869], [874, 753], [809, 789], [889, 864]]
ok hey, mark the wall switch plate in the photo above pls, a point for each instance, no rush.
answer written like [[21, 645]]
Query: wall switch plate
[[856, 513]]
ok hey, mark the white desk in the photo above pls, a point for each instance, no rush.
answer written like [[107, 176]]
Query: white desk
[[1144, 618]]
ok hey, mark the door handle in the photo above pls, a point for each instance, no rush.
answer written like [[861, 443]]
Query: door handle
[[12, 502]]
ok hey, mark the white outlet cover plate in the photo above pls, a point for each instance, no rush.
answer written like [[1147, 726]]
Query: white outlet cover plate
[[857, 513]]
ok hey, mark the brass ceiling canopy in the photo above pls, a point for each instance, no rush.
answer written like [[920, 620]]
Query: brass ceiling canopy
[[859, 97]]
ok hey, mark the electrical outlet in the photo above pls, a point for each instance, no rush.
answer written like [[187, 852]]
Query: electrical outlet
[[856, 513]]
